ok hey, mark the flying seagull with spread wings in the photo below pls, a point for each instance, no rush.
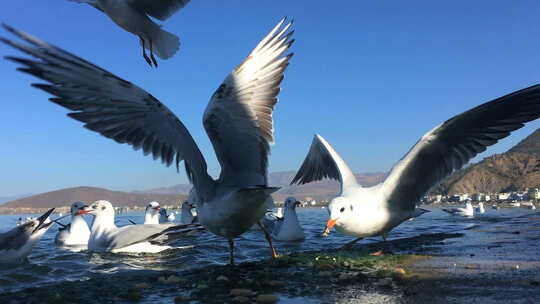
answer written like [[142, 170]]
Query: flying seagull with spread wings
[[238, 120], [373, 211], [134, 17]]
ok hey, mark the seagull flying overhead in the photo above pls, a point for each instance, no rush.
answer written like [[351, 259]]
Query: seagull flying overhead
[[362, 212], [238, 120], [134, 17]]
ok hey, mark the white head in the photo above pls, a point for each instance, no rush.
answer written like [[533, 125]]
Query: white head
[[340, 209], [76, 207], [99, 208], [36, 227], [187, 206], [291, 202], [152, 208], [468, 205]]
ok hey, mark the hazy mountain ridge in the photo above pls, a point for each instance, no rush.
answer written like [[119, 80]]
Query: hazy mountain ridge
[[321, 189], [518, 168], [64, 197]]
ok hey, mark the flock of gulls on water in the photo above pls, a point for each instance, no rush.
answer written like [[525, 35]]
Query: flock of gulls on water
[[238, 120]]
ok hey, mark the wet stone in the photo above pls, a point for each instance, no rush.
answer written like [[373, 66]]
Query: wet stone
[[276, 283], [386, 282], [141, 285], [240, 292], [241, 299], [266, 299], [182, 299], [325, 273], [222, 278], [202, 286]]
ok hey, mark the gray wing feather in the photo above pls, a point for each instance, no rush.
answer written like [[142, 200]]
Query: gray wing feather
[[112, 106], [238, 118], [452, 144], [14, 238], [132, 234], [160, 9], [322, 162]]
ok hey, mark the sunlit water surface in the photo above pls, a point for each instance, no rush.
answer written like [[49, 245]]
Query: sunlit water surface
[[48, 263]]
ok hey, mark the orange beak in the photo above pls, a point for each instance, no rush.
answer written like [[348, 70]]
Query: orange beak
[[329, 225]]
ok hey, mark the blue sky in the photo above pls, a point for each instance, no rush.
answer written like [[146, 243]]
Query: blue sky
[[370, 76]]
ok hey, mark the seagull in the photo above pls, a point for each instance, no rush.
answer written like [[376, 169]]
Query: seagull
[[151, 213], [480, 208], [75, 233], [467, 211], [238, 121], [166, 218], [134, 17], [18, 242], [105, 236], [287, 228], [371, 211], [186, 217]]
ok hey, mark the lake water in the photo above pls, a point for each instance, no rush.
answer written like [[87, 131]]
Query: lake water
[[48, 263]]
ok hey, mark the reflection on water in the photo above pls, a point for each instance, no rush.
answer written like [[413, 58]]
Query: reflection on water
[[49, 263]]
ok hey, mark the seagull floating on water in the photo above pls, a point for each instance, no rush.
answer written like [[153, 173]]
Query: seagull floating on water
[[371, 211], [480, 208], [106, 236], [186, 216], [134, 17], [287, 228], [467, 211], [238, 120], [75, 233], [165, 217], [17, 243], [151, 213]]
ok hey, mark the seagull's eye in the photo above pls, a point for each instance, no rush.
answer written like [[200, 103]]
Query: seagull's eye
[[94, 207], [342, 209]]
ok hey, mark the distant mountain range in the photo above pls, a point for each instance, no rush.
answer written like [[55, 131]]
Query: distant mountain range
[[64, 197], [317, 190], [518, 168]]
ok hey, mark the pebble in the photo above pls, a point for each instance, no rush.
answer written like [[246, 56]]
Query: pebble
[[386, 282], [181, 299], [202, 286], [170, 280], [276, 283], [141, 285], [222, 278], [241, 299], [347, 276], [266, 299], [325, 273], [240, 292]]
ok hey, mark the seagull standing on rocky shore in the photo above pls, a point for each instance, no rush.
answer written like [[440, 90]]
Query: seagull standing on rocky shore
[[373, 211]]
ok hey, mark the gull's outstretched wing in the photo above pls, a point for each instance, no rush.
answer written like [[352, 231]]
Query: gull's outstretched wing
[[322, 162], [160, 9], [133, 234], [238, 118], [452, 144], [112, 106]]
